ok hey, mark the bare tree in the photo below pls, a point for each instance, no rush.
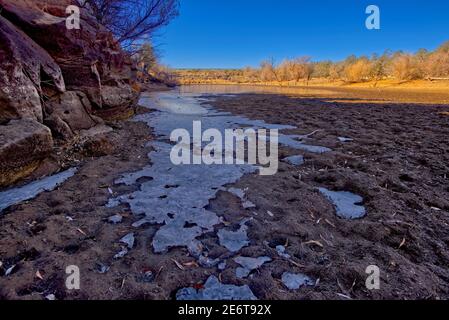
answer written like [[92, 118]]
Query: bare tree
[[305, 68], [405, 67], [268, 70], [133, 21], [359, 70], [145, 56]]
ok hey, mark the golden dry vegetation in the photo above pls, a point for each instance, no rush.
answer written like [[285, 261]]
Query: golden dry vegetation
[[423, 69]]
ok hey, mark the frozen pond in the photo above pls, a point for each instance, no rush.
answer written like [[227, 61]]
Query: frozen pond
[[175, 196]]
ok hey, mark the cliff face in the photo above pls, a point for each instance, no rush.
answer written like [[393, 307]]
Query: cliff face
[[50, 76]]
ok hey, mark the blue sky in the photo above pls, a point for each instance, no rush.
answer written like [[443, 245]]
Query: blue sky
[[237, 33]]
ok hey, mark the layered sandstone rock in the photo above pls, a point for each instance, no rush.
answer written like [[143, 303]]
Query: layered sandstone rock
[[68, 113], [23, 145], [23, 65], [60, 79], [90, 60]]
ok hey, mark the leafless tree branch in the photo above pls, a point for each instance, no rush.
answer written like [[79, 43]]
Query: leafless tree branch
[[133, 21]]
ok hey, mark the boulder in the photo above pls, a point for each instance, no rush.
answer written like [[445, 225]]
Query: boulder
[[68, 112], [23, 145], [24, 66]]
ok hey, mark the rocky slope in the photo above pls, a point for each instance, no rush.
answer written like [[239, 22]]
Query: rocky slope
[[55, 82]]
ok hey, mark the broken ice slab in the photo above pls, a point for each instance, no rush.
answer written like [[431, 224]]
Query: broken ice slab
[[222, 266], [180, 210], [294, 160], [292, 142], [128, 240], [16, 195], [196, 249], [116, 219], [347, 204], [121, 254], [241, 194], [207, 262], [282, 251], [175, 234], [248, 205], [344, 139], [102, 268], [234, 240], [238, 193], [295, 281], [214, 290], [249, 264]]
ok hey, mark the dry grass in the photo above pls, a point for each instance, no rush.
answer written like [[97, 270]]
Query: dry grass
[[235, 76]]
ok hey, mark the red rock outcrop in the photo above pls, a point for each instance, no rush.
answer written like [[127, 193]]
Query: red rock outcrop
[[56, 76], [23, 65], [90, 59]]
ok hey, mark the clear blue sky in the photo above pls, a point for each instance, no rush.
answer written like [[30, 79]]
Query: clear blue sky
[[237, 33]]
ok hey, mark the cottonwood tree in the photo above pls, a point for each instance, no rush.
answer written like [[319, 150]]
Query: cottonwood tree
[[405, 67], [437, 63], [133, 21], [250, 74], [283, 71], [304, 68], [268, 71], [359, 70], [322, 69]]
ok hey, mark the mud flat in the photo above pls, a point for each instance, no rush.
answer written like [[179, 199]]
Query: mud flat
[[289, 244], [389, 167]]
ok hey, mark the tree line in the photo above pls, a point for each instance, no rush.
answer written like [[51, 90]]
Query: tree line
[[134, 24], [401, 66]]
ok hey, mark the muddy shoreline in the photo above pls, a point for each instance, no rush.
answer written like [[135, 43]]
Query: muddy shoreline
[[397, 161]]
